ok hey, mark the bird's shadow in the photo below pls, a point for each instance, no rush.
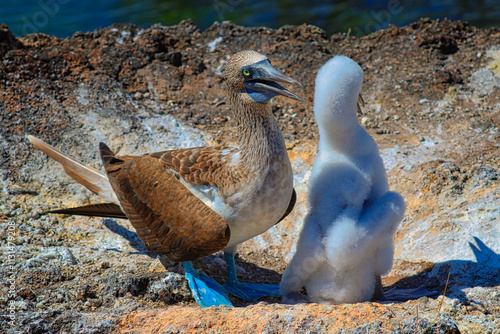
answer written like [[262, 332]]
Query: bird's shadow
[[457, 275], [132, 238]]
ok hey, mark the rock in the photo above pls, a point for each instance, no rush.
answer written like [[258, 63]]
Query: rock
[[143, 90], [170, 289], [7, 40]]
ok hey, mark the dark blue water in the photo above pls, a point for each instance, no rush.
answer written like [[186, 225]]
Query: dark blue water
[[64, 17]]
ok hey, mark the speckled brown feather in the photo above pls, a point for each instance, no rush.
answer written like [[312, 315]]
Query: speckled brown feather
[[202, 165], [168, 218]]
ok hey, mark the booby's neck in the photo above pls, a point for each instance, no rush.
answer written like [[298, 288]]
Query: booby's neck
[[258, 132], [338, 124], [263, 169], [338, 84]]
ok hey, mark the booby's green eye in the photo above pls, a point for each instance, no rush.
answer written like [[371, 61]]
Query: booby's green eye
[[246, 72]]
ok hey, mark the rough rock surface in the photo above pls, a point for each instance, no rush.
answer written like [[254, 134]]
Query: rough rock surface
[[432, 93]]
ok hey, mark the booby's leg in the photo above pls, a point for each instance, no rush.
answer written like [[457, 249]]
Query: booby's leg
[[206, 291], [399, 295], [246, 291]]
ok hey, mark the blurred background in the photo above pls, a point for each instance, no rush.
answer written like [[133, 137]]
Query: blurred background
[[62, 18]]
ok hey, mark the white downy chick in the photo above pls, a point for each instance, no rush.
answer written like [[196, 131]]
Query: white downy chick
[[347, 240]]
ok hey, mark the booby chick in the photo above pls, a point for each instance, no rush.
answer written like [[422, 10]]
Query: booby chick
[[347, 240], [189, 203]]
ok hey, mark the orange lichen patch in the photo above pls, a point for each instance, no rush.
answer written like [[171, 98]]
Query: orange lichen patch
[[259, 318], [306, 151], [156, 267], [481, 192]]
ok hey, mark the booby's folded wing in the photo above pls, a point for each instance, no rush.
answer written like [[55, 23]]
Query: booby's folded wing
[[200, 165], [202, 170], [86, 176], [168, 218]]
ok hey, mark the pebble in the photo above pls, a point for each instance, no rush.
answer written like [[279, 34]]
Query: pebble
[[33, 215]]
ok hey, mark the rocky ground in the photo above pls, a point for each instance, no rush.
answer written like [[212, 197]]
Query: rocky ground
[[432, 93]]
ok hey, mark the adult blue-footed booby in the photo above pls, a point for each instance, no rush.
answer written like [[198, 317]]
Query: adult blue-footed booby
[[189, 203], [346, 243]]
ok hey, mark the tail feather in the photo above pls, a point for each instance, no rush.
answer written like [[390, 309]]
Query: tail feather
[[109, 210], [106, 155], [86, 176]]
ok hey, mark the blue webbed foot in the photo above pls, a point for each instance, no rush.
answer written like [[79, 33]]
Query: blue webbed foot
[[206, 291], [246, 291], [252, 291]]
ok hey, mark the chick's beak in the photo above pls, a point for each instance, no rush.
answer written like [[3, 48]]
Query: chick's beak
[[361, 103]]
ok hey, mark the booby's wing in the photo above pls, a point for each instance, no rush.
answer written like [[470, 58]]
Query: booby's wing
[[201, 170], [200, 165], [168, 218], [86, 176]]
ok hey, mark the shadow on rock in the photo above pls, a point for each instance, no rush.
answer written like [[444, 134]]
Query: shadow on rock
[[458, 275], [130, 236]]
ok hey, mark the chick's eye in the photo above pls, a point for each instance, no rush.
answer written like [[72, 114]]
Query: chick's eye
[[246, 72]]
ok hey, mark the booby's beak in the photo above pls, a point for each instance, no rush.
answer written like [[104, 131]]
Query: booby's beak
[[361, 102], [261, 82]]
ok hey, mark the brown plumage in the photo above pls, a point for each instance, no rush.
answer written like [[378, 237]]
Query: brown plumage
[[199, 165], [189, 203], [167, 217]]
